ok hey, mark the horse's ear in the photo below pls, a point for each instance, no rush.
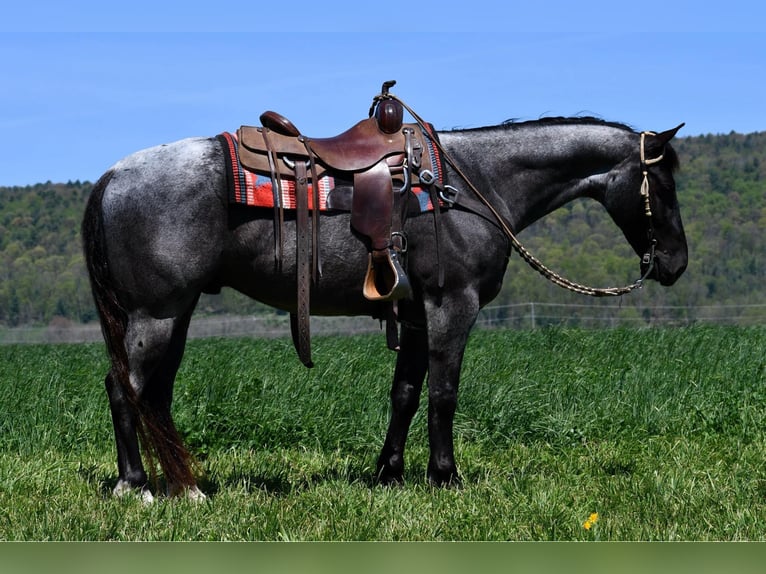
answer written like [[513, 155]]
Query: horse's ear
[[655, 143], [666, 136]]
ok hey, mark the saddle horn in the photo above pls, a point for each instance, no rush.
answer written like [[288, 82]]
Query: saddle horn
[[390, 112]]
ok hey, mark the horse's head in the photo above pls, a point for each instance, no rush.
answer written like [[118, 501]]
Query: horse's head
[[641, 198]]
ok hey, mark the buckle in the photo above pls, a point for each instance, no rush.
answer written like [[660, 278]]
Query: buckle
[[426, 177], [449, 195], [402, 248]]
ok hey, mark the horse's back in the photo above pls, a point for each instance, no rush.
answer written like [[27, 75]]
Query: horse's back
[[166, 173]]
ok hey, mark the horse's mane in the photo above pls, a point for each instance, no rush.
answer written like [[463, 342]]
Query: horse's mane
[[513, 123], [561, 120]]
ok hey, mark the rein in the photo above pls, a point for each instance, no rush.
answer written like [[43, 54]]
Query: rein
[[648, 258]]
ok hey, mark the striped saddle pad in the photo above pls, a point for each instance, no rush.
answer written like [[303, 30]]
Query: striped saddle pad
[[252, 189]]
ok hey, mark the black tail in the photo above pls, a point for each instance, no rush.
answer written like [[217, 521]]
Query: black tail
[[113, 318], [159, 437]]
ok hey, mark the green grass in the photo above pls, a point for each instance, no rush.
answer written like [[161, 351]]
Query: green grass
[[661, 432]]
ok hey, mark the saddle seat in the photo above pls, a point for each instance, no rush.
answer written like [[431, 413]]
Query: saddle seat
[[354, 150]]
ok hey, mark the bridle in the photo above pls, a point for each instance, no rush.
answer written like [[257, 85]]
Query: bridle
[[648, 258]]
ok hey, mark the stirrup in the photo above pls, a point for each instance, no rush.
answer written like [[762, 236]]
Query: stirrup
[[385, 280]]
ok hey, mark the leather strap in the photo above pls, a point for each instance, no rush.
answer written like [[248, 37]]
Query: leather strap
[[300, 324], [399, 244], [437, 233], [276, 186], [316, 269], [392, 327]]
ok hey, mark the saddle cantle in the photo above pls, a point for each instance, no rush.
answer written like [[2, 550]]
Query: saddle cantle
[[279, 123], [381, 155]]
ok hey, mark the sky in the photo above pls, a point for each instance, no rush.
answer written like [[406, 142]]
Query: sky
[[83, 84]]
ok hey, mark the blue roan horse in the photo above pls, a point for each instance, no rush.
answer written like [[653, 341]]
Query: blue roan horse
[[158, 231]]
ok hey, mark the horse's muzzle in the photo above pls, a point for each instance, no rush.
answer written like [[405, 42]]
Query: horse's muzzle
[[666, 268]]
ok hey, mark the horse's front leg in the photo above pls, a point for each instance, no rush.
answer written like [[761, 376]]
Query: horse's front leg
[[411, 367], [449, 324]]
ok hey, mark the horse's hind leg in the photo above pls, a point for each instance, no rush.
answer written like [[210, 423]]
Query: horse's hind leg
[[411, 367], [155, 348], [131, 470]]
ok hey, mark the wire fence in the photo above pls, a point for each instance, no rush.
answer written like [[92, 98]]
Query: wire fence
[[534, 315], [530, 315]]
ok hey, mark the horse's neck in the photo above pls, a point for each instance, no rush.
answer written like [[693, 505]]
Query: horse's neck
[[537, 168]]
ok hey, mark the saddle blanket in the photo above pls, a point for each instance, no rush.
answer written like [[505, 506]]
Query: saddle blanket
[[252, 189]]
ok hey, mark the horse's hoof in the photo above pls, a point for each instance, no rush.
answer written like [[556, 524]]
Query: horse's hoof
[[192, 493], [195, 494], [390, 475], [444, 479], [123, 488], [390, 479]]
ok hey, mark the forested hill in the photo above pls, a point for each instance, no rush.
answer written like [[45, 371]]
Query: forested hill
[[722, 191]]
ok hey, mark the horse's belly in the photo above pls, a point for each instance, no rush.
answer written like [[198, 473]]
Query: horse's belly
[[329, 296]]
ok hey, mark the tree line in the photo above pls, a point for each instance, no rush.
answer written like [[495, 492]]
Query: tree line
[[721, 189]]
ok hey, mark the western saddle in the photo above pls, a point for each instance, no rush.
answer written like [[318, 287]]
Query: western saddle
[[375, 154]]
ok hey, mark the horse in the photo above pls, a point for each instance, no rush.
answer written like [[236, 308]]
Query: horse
[[158, 231]]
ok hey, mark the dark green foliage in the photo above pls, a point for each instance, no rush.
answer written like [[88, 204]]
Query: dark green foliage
[[723, 195], [42, 274]]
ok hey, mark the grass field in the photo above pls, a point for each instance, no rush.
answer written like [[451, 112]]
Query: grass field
[[659, 432]]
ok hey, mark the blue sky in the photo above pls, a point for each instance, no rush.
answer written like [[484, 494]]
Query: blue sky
[[86, 83]]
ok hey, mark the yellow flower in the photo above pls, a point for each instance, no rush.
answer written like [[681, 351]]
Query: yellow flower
[[592, 519]]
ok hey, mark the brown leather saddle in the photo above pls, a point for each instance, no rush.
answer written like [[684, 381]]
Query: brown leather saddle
[[381, 155]]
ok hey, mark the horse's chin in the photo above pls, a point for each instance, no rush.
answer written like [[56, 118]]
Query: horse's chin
[[667, 281], [663, 275]]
